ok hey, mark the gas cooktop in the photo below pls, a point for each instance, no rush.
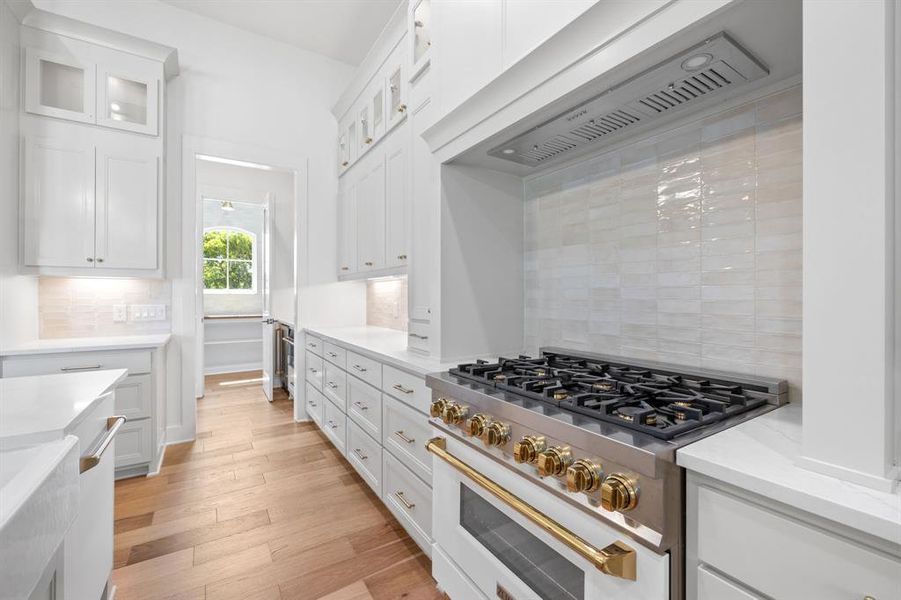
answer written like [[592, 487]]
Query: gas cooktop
[[655, 400]]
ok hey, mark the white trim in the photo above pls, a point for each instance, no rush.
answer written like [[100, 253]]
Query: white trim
[[154, 469], [234, 368], [887, 484]]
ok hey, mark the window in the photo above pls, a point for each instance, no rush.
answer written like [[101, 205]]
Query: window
[[229, 261]]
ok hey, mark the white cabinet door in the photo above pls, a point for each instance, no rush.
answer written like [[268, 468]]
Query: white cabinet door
[[59, 86], [397, 88], [397, 218], [420, 33], [364, 122], [529, 23], [127, 100], [424, 185], [347, 233], [127, 203], [468, 47], [59, 200], [371, 218], [377, 108]]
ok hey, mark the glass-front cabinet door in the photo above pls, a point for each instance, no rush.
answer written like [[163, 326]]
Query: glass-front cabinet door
[[378, 111], [422, 34], [397, 108], [365, 130], [59, 86], [127, 102]]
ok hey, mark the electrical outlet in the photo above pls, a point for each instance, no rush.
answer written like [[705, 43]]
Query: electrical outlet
[[120, 313], [147, 312]]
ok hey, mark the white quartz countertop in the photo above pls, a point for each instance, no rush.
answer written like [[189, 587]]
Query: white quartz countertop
[[383, 344], [761, 456], [43, 408], [84, 344]]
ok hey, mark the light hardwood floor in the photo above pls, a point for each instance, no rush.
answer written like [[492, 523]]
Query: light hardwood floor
[[259, 508]]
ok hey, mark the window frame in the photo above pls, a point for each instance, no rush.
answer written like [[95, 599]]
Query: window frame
[[253, 262]]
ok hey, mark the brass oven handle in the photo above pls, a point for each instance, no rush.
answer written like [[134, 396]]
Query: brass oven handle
[[400, 496], [617, 559], [93, 459]]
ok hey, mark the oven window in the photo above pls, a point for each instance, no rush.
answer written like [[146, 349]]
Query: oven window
[[546, 572]]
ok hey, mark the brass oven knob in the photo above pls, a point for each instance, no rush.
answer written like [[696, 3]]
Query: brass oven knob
[[437, 407], [619, 493], [554, 461], [476, 424], [496, 434], [454, 414], [527, 449], [584, 476]]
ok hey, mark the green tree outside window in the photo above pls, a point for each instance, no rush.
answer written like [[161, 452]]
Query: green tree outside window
[[228, 260]]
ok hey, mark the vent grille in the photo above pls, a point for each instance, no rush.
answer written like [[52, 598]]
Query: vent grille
[[661, 90], [676, 94]]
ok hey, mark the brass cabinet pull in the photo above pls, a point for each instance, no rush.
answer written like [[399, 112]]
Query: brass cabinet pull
[[84, 368], [400, 434], [360, 405], [617, 559], [93, 459], [401, 388], [332, 424], [345, 268], [311, 344], [312, 370], [401, 257], [99, 260], [313, 404], [332, 354], [332, 385], [360, 454], [400, 496], [359, 368], [89, 259], [368, 264]]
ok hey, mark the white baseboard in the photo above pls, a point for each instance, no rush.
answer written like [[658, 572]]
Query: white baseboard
[[177, 434], [235, 368], [155, 467]]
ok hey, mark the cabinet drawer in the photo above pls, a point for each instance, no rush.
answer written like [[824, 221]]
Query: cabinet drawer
[[366, 369], [404, 434], [335, 426], [335, 355], [314, 370], [133, 397], [133, 444], [313, 344], [364, 406], [315, 405], [335, 385], [785, 558], [136, 361], [365, 454], [714, 587], [409, 499], [406, 387], [418, 336]]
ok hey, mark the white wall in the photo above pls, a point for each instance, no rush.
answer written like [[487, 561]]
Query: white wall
[[241, 88]]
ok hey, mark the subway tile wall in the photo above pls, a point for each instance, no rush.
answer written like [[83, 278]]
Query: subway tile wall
[[83, 307], [386, 303], [684, 248]]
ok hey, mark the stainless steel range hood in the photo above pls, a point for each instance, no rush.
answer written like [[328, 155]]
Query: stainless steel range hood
[[700, 72]]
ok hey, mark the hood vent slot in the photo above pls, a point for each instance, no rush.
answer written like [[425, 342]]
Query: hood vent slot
[[669, 86]]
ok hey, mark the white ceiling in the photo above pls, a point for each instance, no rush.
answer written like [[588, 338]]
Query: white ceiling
[[340, 29]]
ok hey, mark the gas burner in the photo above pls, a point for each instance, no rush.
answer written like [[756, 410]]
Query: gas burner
[[658, 402]]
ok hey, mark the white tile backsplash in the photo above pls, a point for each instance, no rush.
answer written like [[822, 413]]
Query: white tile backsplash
[[684, 248]]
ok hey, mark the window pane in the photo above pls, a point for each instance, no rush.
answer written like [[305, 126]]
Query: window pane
[[215, 244], [240, 276], [214, 274], [240, 245]]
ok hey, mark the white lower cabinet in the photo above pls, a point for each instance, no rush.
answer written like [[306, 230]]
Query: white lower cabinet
[[376, 415], [743, 547], [134, 444]]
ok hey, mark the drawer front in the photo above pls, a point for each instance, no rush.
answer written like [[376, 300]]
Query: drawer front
[[314, 370], [365, 368], [714, 587], [134, 397], [418, 337], [313, 344], [335, 426], [409, 499], [136, 361], [315, 405], [406, 387], [365, 454], [785, 558], [335, 355], [335, 385], [404, 434], [364, 406], [133, 444]]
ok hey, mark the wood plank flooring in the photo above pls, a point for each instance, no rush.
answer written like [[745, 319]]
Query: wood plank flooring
[[259, 508]]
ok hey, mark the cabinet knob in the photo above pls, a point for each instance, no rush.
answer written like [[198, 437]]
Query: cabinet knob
[[368, 140], [402, 108], [89, 259], [345, 268], [401, 257], [344, 163], [368, 264], [99, 260]]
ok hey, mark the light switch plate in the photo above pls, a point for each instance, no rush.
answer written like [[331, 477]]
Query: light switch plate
[[147, 312]]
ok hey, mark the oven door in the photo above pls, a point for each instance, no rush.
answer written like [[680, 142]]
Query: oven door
[[527, 543]]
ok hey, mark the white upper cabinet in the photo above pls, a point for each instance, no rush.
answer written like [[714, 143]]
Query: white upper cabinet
[[343, 151], [377, 109], [347, 233], [397, 199], [58, 85], [58, 192], [371, 217], [127, 206], [421, 33], [364, 122], [397, 89], [127, 100]]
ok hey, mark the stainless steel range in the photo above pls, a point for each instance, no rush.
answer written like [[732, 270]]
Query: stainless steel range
[[555, 477]]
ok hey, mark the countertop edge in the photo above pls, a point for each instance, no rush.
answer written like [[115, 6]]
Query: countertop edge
[[391, 360], [67, 347]]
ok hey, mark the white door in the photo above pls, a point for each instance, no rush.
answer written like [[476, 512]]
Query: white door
[[396, 200], [127, 203], [59, 201]]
